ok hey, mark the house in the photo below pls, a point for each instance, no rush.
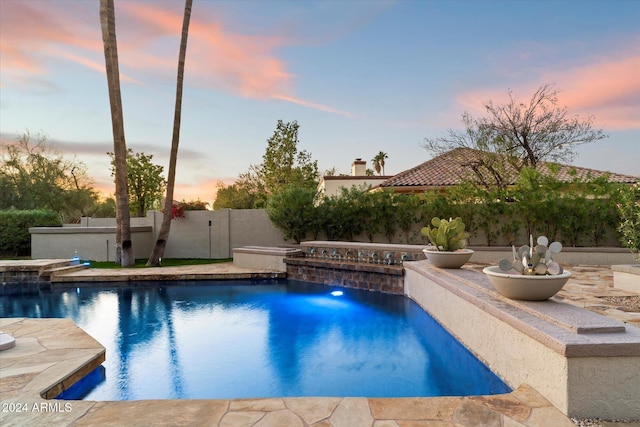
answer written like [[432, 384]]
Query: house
[[451, 168], [333, 185]]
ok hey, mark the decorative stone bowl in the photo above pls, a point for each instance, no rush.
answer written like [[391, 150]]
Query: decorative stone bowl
[[442, 259], [524, 287]]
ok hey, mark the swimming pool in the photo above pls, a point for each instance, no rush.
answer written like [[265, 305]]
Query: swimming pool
[[245, 339]]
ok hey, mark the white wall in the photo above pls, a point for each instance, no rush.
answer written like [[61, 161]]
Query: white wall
[[190, 237]]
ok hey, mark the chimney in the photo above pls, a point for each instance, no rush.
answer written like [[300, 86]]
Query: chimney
[[359, 167]]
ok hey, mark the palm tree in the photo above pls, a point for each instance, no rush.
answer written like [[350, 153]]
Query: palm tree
[[163, 235], [124, 250], [378, 162], [382, 156]]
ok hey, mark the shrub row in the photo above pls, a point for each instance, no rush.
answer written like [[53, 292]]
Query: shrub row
[[15, 239], [582, 214]]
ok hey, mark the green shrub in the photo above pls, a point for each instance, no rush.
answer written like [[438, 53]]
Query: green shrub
[[292, 211], [15, 239], [628, 205]]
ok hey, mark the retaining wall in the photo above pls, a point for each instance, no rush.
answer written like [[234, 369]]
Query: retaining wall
[[583, 363]]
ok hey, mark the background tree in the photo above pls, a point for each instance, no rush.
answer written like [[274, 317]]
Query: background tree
[[124, 247], [378, 162], [524, 134], [163, 234], [145, 181], [236, 196], [105, 208], [282, 166], [194, 205], [34, 176]]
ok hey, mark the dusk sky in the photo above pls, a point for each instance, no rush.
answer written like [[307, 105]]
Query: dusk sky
[[359, 77]]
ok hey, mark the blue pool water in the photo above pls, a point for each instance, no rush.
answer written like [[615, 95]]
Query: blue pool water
[[260, 339]]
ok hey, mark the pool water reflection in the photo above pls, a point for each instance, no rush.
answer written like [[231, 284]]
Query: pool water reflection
[[246, 339]]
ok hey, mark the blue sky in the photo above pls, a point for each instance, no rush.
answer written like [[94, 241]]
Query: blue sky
[[359, 76]]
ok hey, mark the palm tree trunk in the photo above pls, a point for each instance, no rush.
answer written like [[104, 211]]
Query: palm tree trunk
[[123, 228], [163, 235]]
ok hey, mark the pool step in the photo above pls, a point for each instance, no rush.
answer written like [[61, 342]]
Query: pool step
[[55, 271]]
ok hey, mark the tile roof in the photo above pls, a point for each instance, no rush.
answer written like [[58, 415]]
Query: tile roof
[[451, 167]]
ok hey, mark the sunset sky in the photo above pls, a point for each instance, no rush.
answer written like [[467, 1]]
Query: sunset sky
[[359, 76]]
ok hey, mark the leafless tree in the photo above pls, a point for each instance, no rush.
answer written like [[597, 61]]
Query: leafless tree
[[523, 134]]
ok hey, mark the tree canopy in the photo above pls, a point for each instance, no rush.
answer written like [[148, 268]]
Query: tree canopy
[[145, 180], [34, 176], [283, 166], [523, 133]]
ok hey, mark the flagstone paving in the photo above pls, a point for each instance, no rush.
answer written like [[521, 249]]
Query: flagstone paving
[[591, 287], [52, 353]]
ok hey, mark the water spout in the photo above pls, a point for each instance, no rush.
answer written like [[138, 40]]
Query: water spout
[[389, 258]]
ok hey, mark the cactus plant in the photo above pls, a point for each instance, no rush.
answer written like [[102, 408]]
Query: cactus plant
[[447, 236]]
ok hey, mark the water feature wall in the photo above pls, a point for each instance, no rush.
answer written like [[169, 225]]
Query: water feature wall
[[370, 266]]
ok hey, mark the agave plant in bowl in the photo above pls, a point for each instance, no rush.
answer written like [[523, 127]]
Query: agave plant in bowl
[[448, 243], [532, 274]]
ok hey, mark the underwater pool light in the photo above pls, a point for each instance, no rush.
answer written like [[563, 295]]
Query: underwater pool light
[[337, 293]]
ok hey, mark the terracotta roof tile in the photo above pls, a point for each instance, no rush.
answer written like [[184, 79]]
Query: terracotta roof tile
[[451, 167]]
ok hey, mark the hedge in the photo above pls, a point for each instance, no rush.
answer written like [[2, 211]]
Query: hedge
[[15, 239]]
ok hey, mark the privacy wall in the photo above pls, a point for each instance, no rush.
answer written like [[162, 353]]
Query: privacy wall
[[200, 234]]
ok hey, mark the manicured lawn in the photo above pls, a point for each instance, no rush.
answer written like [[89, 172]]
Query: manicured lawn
[[166, 262]]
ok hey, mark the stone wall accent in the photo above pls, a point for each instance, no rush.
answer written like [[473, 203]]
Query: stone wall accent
[[361, 252], [371, 277], [19, 277]]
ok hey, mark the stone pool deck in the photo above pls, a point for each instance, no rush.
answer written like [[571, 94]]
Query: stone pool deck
[[51, 353]]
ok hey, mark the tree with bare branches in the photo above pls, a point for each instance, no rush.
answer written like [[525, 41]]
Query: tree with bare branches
[[522, 133]]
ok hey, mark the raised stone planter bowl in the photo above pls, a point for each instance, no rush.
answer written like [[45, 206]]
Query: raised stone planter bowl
[[442, 259], [523, 287]]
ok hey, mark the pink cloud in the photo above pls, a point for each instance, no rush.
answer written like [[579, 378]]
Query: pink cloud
[[216, 58], [607, 88], [29, 32], [37, 33], [313, 105]]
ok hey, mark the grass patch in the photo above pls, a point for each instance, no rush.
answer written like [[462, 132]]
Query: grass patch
[[166, 262]]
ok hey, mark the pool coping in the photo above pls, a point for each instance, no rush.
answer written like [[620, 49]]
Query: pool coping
[[51, 354]]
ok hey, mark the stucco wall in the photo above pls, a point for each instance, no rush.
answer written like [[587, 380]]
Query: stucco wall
[[94, 243], [190, 237], [584, 375]]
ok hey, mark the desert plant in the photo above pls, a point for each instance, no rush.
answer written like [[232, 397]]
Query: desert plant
[[447, 236], [629, 208]]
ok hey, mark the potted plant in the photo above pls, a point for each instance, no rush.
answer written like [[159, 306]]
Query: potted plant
[[448, 243], [531, 275]]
